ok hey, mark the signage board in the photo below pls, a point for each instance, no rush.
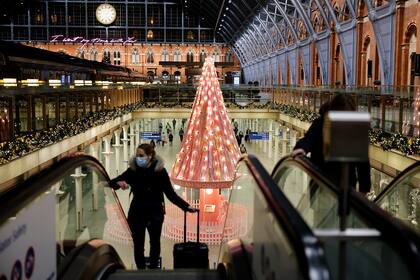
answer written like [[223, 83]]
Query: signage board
[[254, 135], [150, 135], [28, 242]]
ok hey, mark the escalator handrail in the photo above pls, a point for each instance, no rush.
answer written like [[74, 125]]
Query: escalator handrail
[[82, 262], [309, 251], [395, 181], [397, 235], [16, 198]]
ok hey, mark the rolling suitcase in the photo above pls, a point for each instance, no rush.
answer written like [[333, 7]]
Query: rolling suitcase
[[191, 254]]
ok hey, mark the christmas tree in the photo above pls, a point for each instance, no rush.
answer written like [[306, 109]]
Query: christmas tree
[[209, 151]]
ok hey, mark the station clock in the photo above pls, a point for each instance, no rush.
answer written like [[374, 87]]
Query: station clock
[[106, 14]]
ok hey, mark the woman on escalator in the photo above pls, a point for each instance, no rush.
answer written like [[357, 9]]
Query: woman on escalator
[[312, 143], [149, 180]]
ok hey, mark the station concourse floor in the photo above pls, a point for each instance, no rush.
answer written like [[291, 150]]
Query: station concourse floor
[[269, 152], [259, 148]]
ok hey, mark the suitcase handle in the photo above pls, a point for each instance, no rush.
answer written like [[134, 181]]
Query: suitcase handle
[[198, 226]]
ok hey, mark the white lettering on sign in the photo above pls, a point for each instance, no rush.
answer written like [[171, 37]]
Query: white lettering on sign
[[78, 39]]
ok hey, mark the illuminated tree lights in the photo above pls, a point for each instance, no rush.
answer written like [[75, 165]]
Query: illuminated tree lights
[[209, 151]]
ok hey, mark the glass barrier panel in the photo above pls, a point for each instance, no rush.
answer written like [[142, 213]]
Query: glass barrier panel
[[369, 259], [88, 208], [366, 258], [317, 205], [403, 200], [272, 253]]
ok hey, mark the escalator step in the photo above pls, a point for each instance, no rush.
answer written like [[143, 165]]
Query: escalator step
[[187, 274]]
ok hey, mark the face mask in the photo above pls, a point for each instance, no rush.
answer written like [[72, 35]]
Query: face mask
[[142, 161]]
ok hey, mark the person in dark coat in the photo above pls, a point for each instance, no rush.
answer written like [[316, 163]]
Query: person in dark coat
[[149, 180], [312, 143]]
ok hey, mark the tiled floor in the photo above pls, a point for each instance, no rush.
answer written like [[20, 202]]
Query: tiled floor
[[267, 151]]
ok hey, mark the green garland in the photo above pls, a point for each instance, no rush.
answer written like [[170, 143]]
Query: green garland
[[29, 142], [387, 140]]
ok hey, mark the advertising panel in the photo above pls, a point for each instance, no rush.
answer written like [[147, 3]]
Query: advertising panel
[[28, 242]]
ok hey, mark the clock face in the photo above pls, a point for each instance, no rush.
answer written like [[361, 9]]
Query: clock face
[[106, 14]]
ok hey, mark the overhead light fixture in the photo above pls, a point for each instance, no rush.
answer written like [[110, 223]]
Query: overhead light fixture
[[224, 15], [223, 20], [227, 8]]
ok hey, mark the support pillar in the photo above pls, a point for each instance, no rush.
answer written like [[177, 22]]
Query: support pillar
[[107, 153], [94, 151], [117, 147], [78, 185], [125, 144]]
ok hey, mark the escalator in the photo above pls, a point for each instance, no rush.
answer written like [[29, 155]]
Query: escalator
[[373, 246], [69, 216], [401, 198]]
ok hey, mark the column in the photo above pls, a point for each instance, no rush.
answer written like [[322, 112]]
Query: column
[[133, 137], [271, 135], [292, 138], [56, 189], [125, 144], [117, 147], [107, 153], [137, 131], [93, 151], [78, 185], [276, 142]]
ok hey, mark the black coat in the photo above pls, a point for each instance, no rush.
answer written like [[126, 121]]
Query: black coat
[[148, 186], [313, 143]]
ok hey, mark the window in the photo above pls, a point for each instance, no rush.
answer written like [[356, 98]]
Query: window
[[117, 57], [135, 57], [228, 57], [190, 56], [150, 34], [106, 56], [216, 56], [81, 53], [202, 56], [177, 55], [150, 58], [94, 55], [164, 55]]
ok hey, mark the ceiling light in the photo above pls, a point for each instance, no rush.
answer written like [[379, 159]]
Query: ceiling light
[[227, 8], [223, 20], [224, 15]]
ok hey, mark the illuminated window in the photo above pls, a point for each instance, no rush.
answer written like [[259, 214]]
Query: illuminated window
[[177, 55], [94, 55], [135, 57], [190, 35], [164, 56], [80, 53], [117, 57], [216, 56]]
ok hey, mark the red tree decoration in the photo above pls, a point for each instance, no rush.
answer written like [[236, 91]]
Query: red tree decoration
[[209, 152]]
